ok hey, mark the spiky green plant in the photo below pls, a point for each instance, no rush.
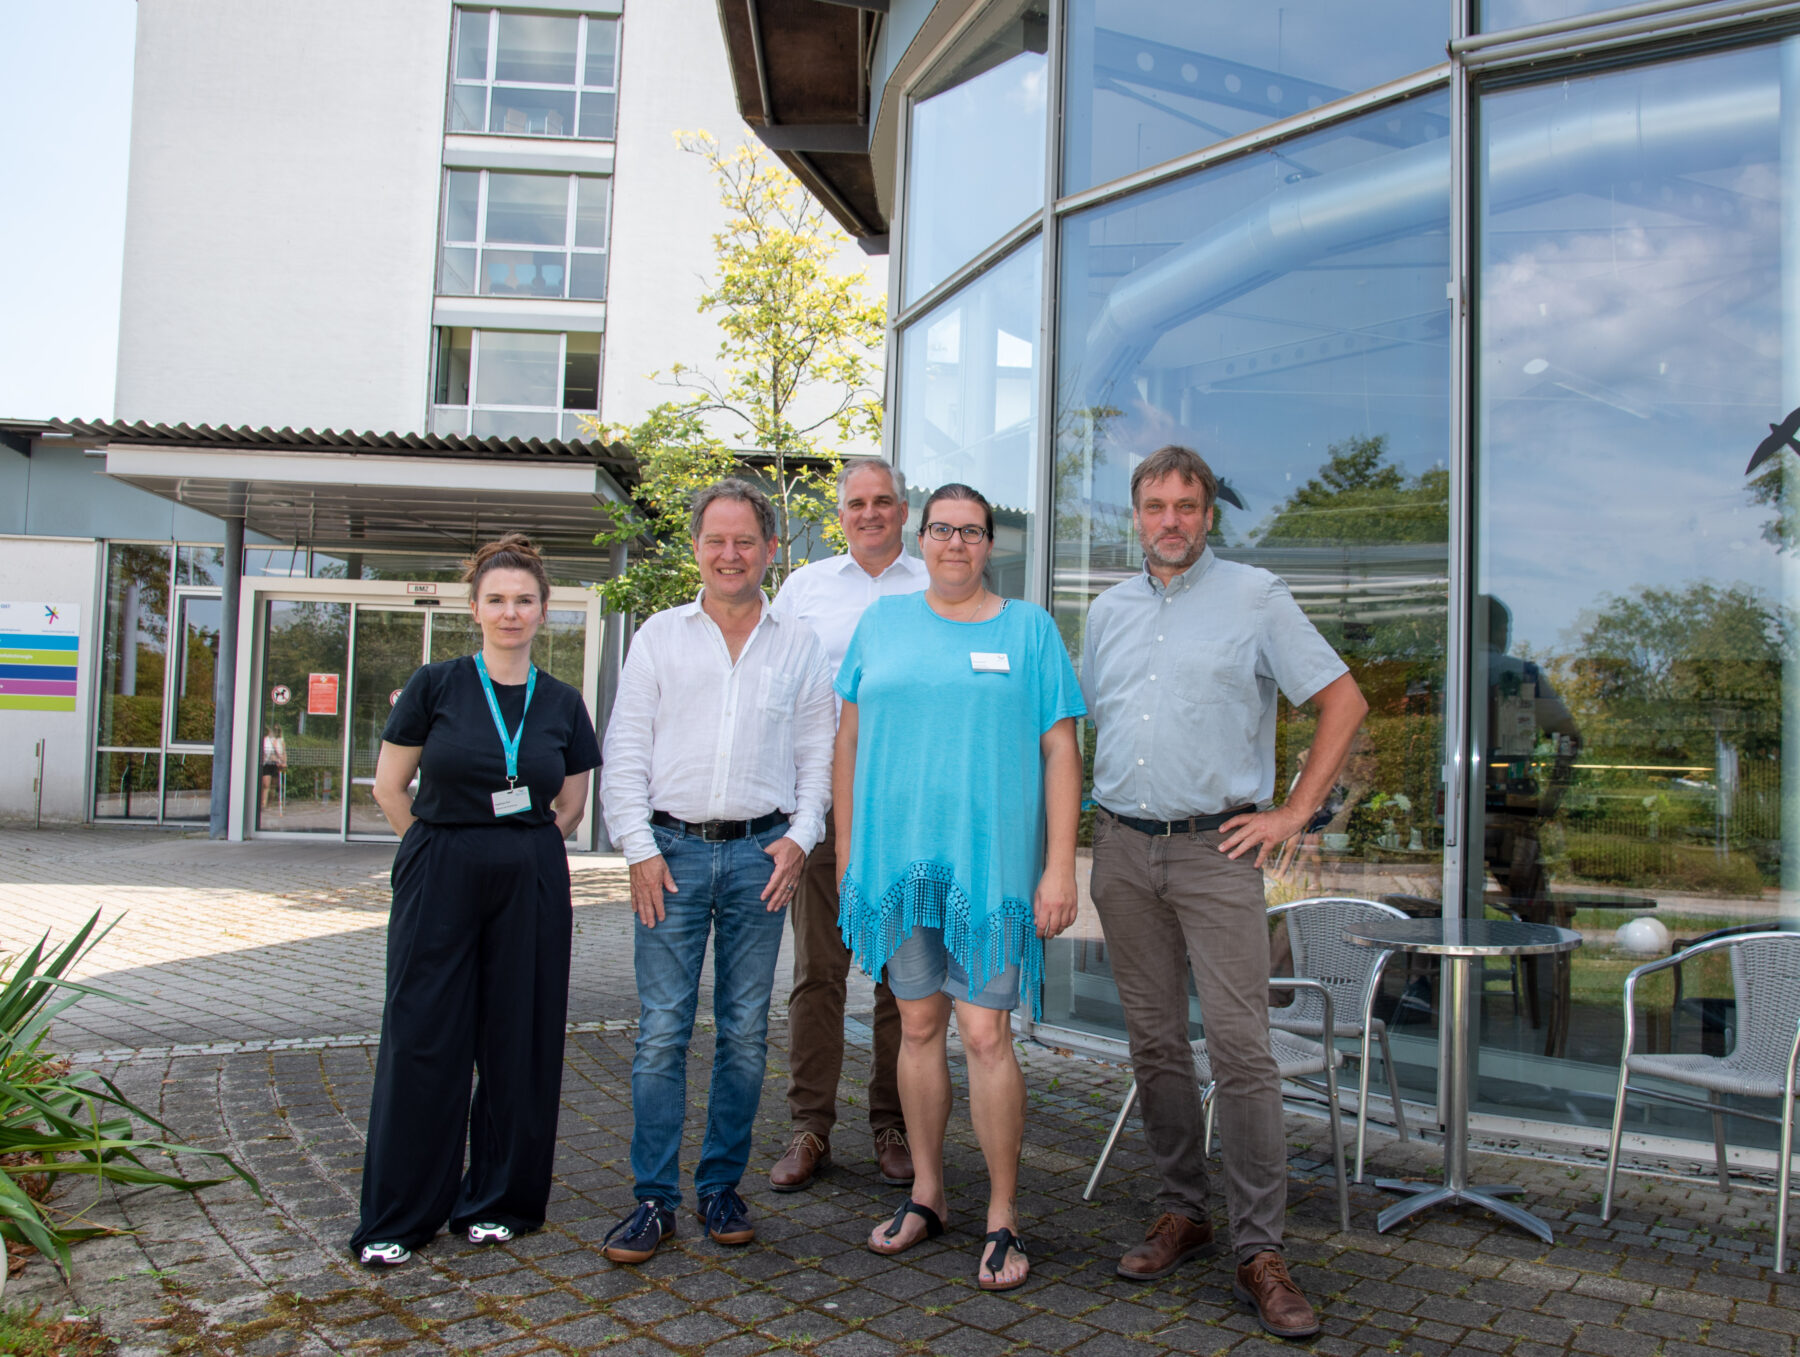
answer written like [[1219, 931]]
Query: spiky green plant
[[56, 1122]]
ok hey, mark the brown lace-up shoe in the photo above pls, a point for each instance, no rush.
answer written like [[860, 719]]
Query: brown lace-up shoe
[[893, 1157], [807, 1154], [1264, 1285], [1169, 1243]]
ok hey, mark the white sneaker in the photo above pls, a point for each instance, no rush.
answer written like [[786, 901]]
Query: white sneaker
[[385, 1255], [485, 1232]]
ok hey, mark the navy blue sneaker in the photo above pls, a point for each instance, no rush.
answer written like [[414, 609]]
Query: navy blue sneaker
[[635, 1239], [726, 1217]]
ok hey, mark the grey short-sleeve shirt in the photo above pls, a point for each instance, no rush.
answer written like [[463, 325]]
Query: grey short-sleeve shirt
[[1181, 684]]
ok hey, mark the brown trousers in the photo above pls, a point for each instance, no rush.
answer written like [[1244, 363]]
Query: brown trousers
[[1163, 903], [816, 1009]]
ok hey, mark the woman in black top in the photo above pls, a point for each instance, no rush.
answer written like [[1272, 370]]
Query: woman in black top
[[479, 937]]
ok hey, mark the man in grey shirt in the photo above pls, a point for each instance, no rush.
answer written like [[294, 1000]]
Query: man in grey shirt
[[1180, 669]]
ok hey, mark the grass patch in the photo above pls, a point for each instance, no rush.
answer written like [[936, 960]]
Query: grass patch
[[27, 1334]]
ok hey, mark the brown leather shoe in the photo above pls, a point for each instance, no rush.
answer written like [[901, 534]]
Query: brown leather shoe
[[893, 1157], [1264, 1285], [807, 1154], [1169, 1243]]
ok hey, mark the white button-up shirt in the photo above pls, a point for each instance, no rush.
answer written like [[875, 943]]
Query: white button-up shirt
[[830, 596], [698, 737]]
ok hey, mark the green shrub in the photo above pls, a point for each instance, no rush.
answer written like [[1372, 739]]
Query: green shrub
[[1655, 864], [56, 1122]]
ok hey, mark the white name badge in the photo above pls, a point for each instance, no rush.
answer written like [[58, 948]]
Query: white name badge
[[512, 801], [989, 662]]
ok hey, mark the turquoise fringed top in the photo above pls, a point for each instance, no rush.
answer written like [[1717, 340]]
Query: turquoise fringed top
[[949, 822]]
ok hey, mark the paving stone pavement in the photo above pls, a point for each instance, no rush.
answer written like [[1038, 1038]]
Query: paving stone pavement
[[265, 1054]]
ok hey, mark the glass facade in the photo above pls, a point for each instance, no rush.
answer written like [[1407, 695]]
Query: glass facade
[[965, 190], [1480, 357], [1150, 80]]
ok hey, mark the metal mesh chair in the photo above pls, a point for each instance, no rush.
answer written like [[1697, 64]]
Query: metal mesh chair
[[1352, 974], [1765, 973], [1296, 1059]]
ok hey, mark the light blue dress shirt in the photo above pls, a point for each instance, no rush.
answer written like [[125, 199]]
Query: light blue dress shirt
[[1181, 682]]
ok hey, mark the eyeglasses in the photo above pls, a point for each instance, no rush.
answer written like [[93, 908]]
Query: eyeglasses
[[943, 532]]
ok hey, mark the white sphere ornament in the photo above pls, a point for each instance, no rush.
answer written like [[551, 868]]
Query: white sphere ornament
[[1643, 937]]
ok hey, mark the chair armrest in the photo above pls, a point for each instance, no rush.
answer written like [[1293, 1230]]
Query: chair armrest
[[1300, 982]]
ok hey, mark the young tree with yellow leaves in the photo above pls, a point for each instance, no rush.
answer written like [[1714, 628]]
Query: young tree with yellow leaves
[[800, 346]]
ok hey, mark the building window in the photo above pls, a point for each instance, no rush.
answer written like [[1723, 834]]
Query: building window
[[1153, 79], [524, 235], [965, 192], [160, 645], [514, 384], [968, 401], [535, 75]]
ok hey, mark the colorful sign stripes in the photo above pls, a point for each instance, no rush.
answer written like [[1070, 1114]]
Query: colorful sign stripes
[[40, 656]]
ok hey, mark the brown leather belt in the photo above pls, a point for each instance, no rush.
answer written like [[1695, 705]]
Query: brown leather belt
[[720, 831]]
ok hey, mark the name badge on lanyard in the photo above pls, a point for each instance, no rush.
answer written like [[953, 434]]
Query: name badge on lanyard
[[515, 798]]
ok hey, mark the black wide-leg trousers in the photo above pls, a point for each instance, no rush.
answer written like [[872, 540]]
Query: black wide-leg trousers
[[477, 982]]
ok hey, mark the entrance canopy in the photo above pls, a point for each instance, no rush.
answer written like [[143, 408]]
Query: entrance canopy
[[357, 492]]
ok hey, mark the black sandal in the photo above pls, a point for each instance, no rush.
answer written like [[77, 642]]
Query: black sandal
[[1004, 1242], [933, 1227]]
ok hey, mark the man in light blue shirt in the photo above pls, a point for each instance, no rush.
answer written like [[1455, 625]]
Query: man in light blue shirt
[[1181, 667]]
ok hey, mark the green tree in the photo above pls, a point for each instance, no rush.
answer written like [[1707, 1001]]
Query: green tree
[[1359, 496], [799, 349], [1660, 671]]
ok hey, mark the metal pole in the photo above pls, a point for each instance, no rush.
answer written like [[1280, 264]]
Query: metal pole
[[1790, 474], [37, 817], [225, 670]]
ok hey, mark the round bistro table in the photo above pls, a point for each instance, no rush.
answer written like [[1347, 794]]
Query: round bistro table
[[1463, 944]]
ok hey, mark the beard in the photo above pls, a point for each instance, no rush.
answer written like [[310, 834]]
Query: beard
[[1189, 552]]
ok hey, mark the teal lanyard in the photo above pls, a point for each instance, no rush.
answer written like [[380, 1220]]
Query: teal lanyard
[[509, 743]]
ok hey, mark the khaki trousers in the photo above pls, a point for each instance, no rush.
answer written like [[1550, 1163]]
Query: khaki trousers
[[1165, 903], [816, 1009]]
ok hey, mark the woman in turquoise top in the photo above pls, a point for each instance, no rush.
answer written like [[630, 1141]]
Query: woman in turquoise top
[[957, 786]]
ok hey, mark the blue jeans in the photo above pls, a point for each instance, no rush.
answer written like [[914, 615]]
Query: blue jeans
[[718, 890]]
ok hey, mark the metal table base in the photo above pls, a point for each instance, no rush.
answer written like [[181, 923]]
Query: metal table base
[[1460, 957]]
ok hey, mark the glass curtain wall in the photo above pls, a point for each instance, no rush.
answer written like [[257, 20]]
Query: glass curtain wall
[[1150, 80], [969, 401], [967, 191], [1579, 432], [1639, 268], [1303, 350]]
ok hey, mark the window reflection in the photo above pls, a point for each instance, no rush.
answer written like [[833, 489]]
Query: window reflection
[[1634, 642], [966, 191], [1499, 14], [136, 640], [1153, 79], [968, 402], [1284, 315]]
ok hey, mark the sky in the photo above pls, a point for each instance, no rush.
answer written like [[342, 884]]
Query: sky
[[65, 137]]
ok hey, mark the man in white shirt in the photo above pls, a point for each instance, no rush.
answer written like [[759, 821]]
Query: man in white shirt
[[830, 596], [717, 773]]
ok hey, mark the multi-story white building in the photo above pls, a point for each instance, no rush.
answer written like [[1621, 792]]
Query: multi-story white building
[[445, 231]]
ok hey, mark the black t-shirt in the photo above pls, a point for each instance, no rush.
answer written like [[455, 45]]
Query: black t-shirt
[[443, 711]]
